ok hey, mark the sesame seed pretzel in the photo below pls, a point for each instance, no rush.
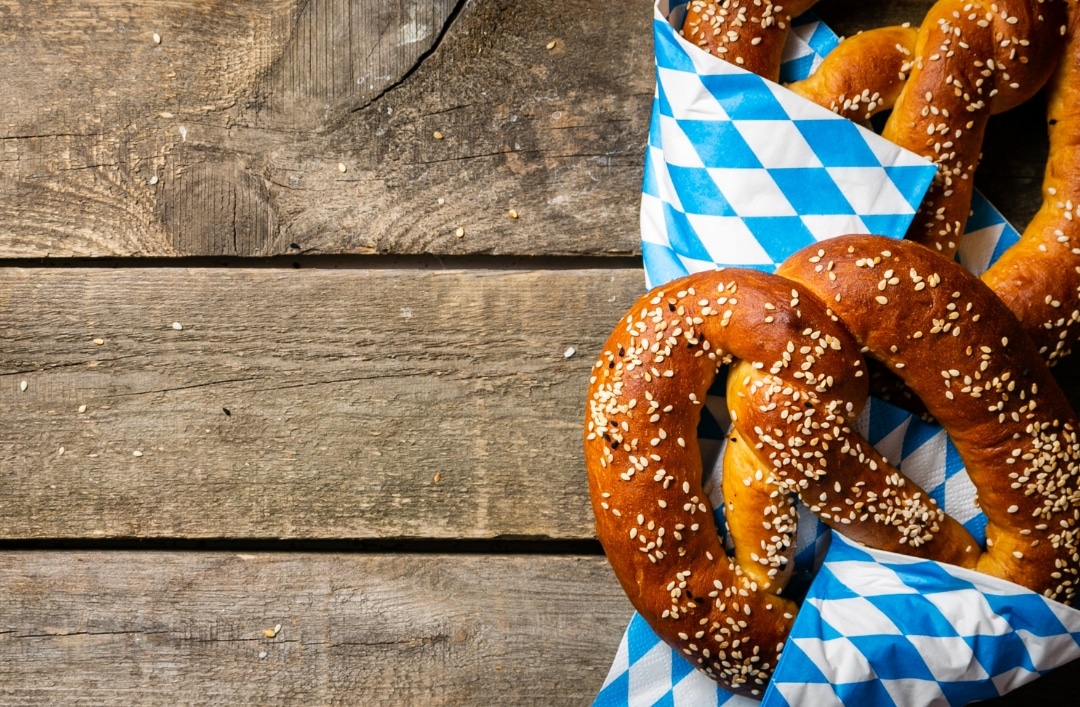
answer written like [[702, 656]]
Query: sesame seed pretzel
[[957, 346], [863, 75], [797, 379], [944, 332], [973, 58], [645, 471], [748, 33], [1039, 277]]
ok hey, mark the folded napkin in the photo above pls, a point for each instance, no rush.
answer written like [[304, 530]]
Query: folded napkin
[[739, 171]]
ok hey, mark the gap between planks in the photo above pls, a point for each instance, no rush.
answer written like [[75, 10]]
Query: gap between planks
[[278, 629]]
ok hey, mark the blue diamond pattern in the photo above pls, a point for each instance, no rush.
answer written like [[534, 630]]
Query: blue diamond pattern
[[780, 235], [719, 144], [838, 143], [704, 102], [811, 191], [744, 96]]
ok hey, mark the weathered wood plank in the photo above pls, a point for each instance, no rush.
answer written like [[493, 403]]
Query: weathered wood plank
[[150, 628], [299, 403], [173, 628], [226, 137]]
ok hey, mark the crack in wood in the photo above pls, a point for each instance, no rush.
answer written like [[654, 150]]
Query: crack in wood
[[420, 59], [206, 384]]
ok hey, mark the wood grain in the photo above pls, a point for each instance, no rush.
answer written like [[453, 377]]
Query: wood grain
[[228, 137], [299, 403], [190, 628], [332, 404], [162, 628]]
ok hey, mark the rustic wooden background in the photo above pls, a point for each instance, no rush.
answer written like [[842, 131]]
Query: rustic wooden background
[[298, 300]]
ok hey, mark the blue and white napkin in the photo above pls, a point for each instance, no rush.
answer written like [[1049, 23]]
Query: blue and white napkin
[[741, 172]]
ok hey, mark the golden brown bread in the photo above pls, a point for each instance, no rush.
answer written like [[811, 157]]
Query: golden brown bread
[[863, 75], [797, 382], [748, 33], [644, 465], [1039, 277], [950, 339], [973, 58], [801, 385], [836, 473]]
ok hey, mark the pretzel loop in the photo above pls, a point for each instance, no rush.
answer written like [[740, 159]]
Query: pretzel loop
[[645, 477]]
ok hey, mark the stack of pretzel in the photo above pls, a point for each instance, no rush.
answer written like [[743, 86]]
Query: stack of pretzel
[[976, 351]]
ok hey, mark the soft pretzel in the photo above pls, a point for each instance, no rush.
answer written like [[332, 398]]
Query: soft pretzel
[[644, 466], [751, 34], [863, 75], [798, 381], [748, 33], [652, 515], [950, 339], [973, 58], [1039, 277]]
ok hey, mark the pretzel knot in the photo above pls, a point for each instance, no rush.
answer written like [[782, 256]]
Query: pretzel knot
[[797, 337]]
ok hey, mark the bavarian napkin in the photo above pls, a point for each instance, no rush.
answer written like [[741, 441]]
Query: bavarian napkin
[[741, 172]]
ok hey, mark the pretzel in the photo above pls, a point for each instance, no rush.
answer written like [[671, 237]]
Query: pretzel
[[974, 58], [751, 34], [644, 466], [1039, 276], [748, 33], [863, 75], [955, 344]]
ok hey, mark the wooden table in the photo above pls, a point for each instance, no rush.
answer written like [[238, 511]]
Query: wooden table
[[297, 306]]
